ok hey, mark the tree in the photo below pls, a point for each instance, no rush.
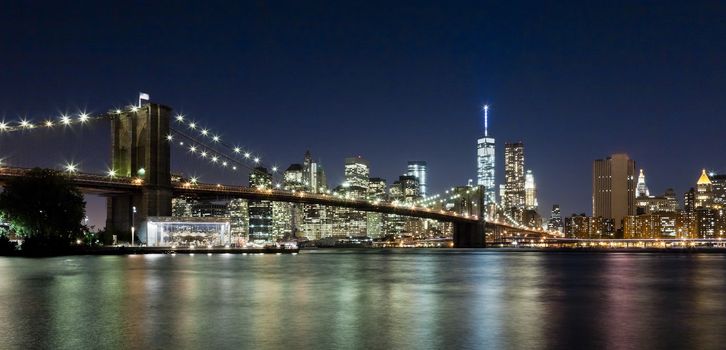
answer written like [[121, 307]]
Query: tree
[[44, 206]]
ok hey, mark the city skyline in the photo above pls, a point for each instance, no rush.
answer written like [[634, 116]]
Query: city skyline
[[391, 95]]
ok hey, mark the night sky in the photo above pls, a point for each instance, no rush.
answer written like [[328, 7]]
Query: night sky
[[391, 81]]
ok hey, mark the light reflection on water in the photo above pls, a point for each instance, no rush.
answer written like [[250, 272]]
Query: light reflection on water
[[365, 299]]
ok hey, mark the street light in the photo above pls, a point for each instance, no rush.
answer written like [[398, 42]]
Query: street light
[[133, 215]]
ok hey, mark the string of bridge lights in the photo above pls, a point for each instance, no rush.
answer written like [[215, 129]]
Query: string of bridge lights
[[63, 120], [231, 157]]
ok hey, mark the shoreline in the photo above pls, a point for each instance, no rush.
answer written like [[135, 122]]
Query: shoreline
[[102, 251]]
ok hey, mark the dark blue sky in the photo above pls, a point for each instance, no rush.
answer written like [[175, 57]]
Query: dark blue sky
[[391, 81]]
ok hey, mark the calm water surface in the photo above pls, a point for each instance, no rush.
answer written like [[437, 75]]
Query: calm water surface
[[366, 299]]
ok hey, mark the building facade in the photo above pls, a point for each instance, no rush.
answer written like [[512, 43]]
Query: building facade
[[613, 188]]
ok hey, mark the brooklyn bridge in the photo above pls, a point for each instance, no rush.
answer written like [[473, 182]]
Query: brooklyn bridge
[[140, 183]]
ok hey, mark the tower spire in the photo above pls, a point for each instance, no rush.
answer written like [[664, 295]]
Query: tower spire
[[486, 120]]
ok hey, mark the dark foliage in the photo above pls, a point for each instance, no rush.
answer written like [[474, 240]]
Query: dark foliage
[[45, 208]]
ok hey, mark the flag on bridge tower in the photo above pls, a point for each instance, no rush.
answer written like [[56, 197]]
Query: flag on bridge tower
[[143, 96]]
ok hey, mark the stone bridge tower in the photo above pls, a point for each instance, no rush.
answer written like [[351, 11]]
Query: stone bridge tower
[[139, 149]]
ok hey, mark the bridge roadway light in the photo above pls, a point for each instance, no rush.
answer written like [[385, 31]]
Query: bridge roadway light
[[237, 150], [3, 126], [180, 117], [66, 120], [118, 111], [192, 125], [49, 123], [71, 167], [205, 132], [247, 155], [257, 160], [83, 117], [169, 137], [111, 173], [215, 138], [134, 109]]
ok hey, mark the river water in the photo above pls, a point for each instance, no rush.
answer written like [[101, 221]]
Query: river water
[[366, 299]]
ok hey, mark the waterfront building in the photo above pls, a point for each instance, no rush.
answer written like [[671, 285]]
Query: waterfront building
[[514, 180], [613, 188], [260, 211], [707, 223], [417, 169], [657, 225], [555, 222], [577, 226], [530, 192], [486, 162], [704, 193], [315, 222], [238, 220]]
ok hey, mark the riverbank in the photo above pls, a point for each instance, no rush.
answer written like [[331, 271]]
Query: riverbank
[[151, 250]]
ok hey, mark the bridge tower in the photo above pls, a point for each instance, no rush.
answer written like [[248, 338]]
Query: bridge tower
[[473, 235], [139, 149]]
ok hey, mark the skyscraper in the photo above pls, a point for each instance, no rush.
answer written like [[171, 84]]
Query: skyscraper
[[555, 222], [718, 188], [530, 191], [514, 178], [357, 174], [704, 194], [613, 188], [417, 168], [260, 211], [310, 173], [641, 188], [486, 162]]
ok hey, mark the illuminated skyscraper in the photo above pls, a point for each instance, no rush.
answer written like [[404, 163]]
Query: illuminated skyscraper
[[310, 173], [418, 170], [530, 191], [613, 188], [555, 222], [260, 211], [718, 188], [641, 188], [514, 179], [357, 174], [704, 194], [486, 162]]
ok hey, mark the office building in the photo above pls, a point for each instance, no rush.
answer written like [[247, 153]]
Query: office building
[[530, 192], [417, 169], [514, 180], [704, 191], [555, 222], [613, 188], [260, 211], [486, 162], [357, 173]]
